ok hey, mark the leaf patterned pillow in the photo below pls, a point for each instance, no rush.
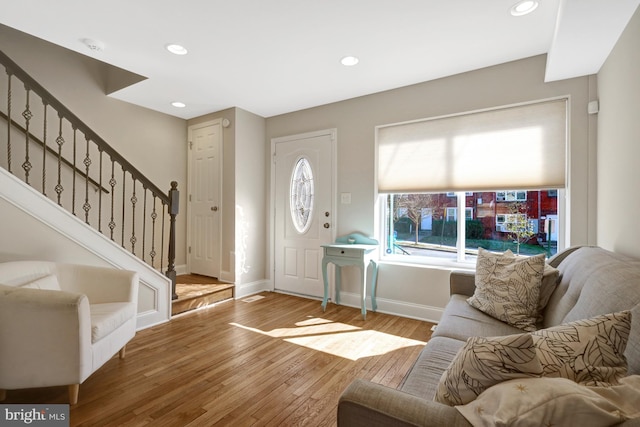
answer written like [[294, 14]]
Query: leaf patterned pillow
[[589, 352], [484, 362], [508, 288]]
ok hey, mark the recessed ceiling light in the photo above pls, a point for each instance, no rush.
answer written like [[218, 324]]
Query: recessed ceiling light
[[179, 104], [349, 61], [523, 7], [177, 49]]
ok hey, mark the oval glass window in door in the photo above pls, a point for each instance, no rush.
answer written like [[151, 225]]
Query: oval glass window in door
[[301, 195]]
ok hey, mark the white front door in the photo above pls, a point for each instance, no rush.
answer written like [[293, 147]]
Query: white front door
[[205, 141], [304, 209]]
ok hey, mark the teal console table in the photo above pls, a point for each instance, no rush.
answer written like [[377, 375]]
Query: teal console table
[[357, 250]]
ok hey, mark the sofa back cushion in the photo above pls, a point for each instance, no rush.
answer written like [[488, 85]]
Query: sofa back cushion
[[593, 282]]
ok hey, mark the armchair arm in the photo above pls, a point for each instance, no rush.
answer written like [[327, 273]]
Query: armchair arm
[[365, 404], [45, 338], [99, 284], [462, 282]]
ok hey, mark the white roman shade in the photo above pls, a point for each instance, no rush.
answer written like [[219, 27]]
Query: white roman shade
[[517, 147]]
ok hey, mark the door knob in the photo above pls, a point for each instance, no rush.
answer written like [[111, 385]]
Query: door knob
[[326, 225], [214, 208]]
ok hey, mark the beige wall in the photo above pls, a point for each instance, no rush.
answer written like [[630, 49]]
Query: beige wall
[[79, 83], [251, 198], [619, 145], [355, 120]]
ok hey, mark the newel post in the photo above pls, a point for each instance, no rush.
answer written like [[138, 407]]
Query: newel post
[[174, 196]]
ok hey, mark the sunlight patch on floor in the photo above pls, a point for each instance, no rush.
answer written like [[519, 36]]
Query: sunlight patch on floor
[[356, 345], [338, 339]]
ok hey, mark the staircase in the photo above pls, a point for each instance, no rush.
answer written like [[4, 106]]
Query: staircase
[[60, 177], [196, 291]]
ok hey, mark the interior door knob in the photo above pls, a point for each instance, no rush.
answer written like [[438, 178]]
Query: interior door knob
[[214, 208]]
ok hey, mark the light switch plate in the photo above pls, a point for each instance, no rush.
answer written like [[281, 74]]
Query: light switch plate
[[345, 198]]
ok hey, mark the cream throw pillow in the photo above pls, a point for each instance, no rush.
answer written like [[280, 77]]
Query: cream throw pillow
[[484, 362], [554, 402], [508, 288]]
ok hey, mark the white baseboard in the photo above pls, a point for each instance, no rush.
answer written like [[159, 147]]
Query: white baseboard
[[398, 308], [252, 288]]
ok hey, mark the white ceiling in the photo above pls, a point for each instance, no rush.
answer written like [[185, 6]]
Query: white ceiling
[[276, 56]]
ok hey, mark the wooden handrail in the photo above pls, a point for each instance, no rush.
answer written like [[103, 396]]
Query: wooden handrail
[[64, 112], [50, 150]]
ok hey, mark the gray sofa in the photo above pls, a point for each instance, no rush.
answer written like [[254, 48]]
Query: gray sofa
[[592, 281]]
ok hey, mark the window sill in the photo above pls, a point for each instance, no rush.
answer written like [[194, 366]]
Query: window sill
[[425, 262]]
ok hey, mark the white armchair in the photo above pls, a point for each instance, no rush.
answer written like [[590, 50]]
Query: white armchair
[[59, 323]]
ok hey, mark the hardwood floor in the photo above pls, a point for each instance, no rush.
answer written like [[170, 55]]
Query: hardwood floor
[[275, 361]]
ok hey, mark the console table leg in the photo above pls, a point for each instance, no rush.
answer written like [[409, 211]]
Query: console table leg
[[363, 292], [374, 282], [326, 286]]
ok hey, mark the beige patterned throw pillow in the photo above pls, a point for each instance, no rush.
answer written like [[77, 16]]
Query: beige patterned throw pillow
[[484, 362], [589, 352], [508, 288]]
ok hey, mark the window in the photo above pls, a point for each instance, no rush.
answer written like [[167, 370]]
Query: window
[[425, 225], [511, 196], [504, 167], [452, 214], [301, 193]]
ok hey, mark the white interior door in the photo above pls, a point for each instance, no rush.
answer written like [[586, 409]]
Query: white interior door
[[304, 210], [205, 141]]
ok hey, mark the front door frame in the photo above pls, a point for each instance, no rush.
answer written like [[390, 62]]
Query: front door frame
[[333, 133]]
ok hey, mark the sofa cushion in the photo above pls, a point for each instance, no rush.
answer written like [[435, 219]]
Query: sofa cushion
[[422, 379], [554, 401], [508, 288], [107, 317], [484, 362], [49, 283], [461, 321]]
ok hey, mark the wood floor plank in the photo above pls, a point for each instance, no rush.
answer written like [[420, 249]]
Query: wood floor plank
[[277, 361]]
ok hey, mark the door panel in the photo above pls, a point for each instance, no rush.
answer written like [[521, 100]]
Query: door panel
[[205, 151]]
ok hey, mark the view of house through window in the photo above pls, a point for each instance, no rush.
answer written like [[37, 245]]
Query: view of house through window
[[427, 224]]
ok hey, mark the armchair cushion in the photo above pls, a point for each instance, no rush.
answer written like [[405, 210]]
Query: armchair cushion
[[49, 283], [107, 317]]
